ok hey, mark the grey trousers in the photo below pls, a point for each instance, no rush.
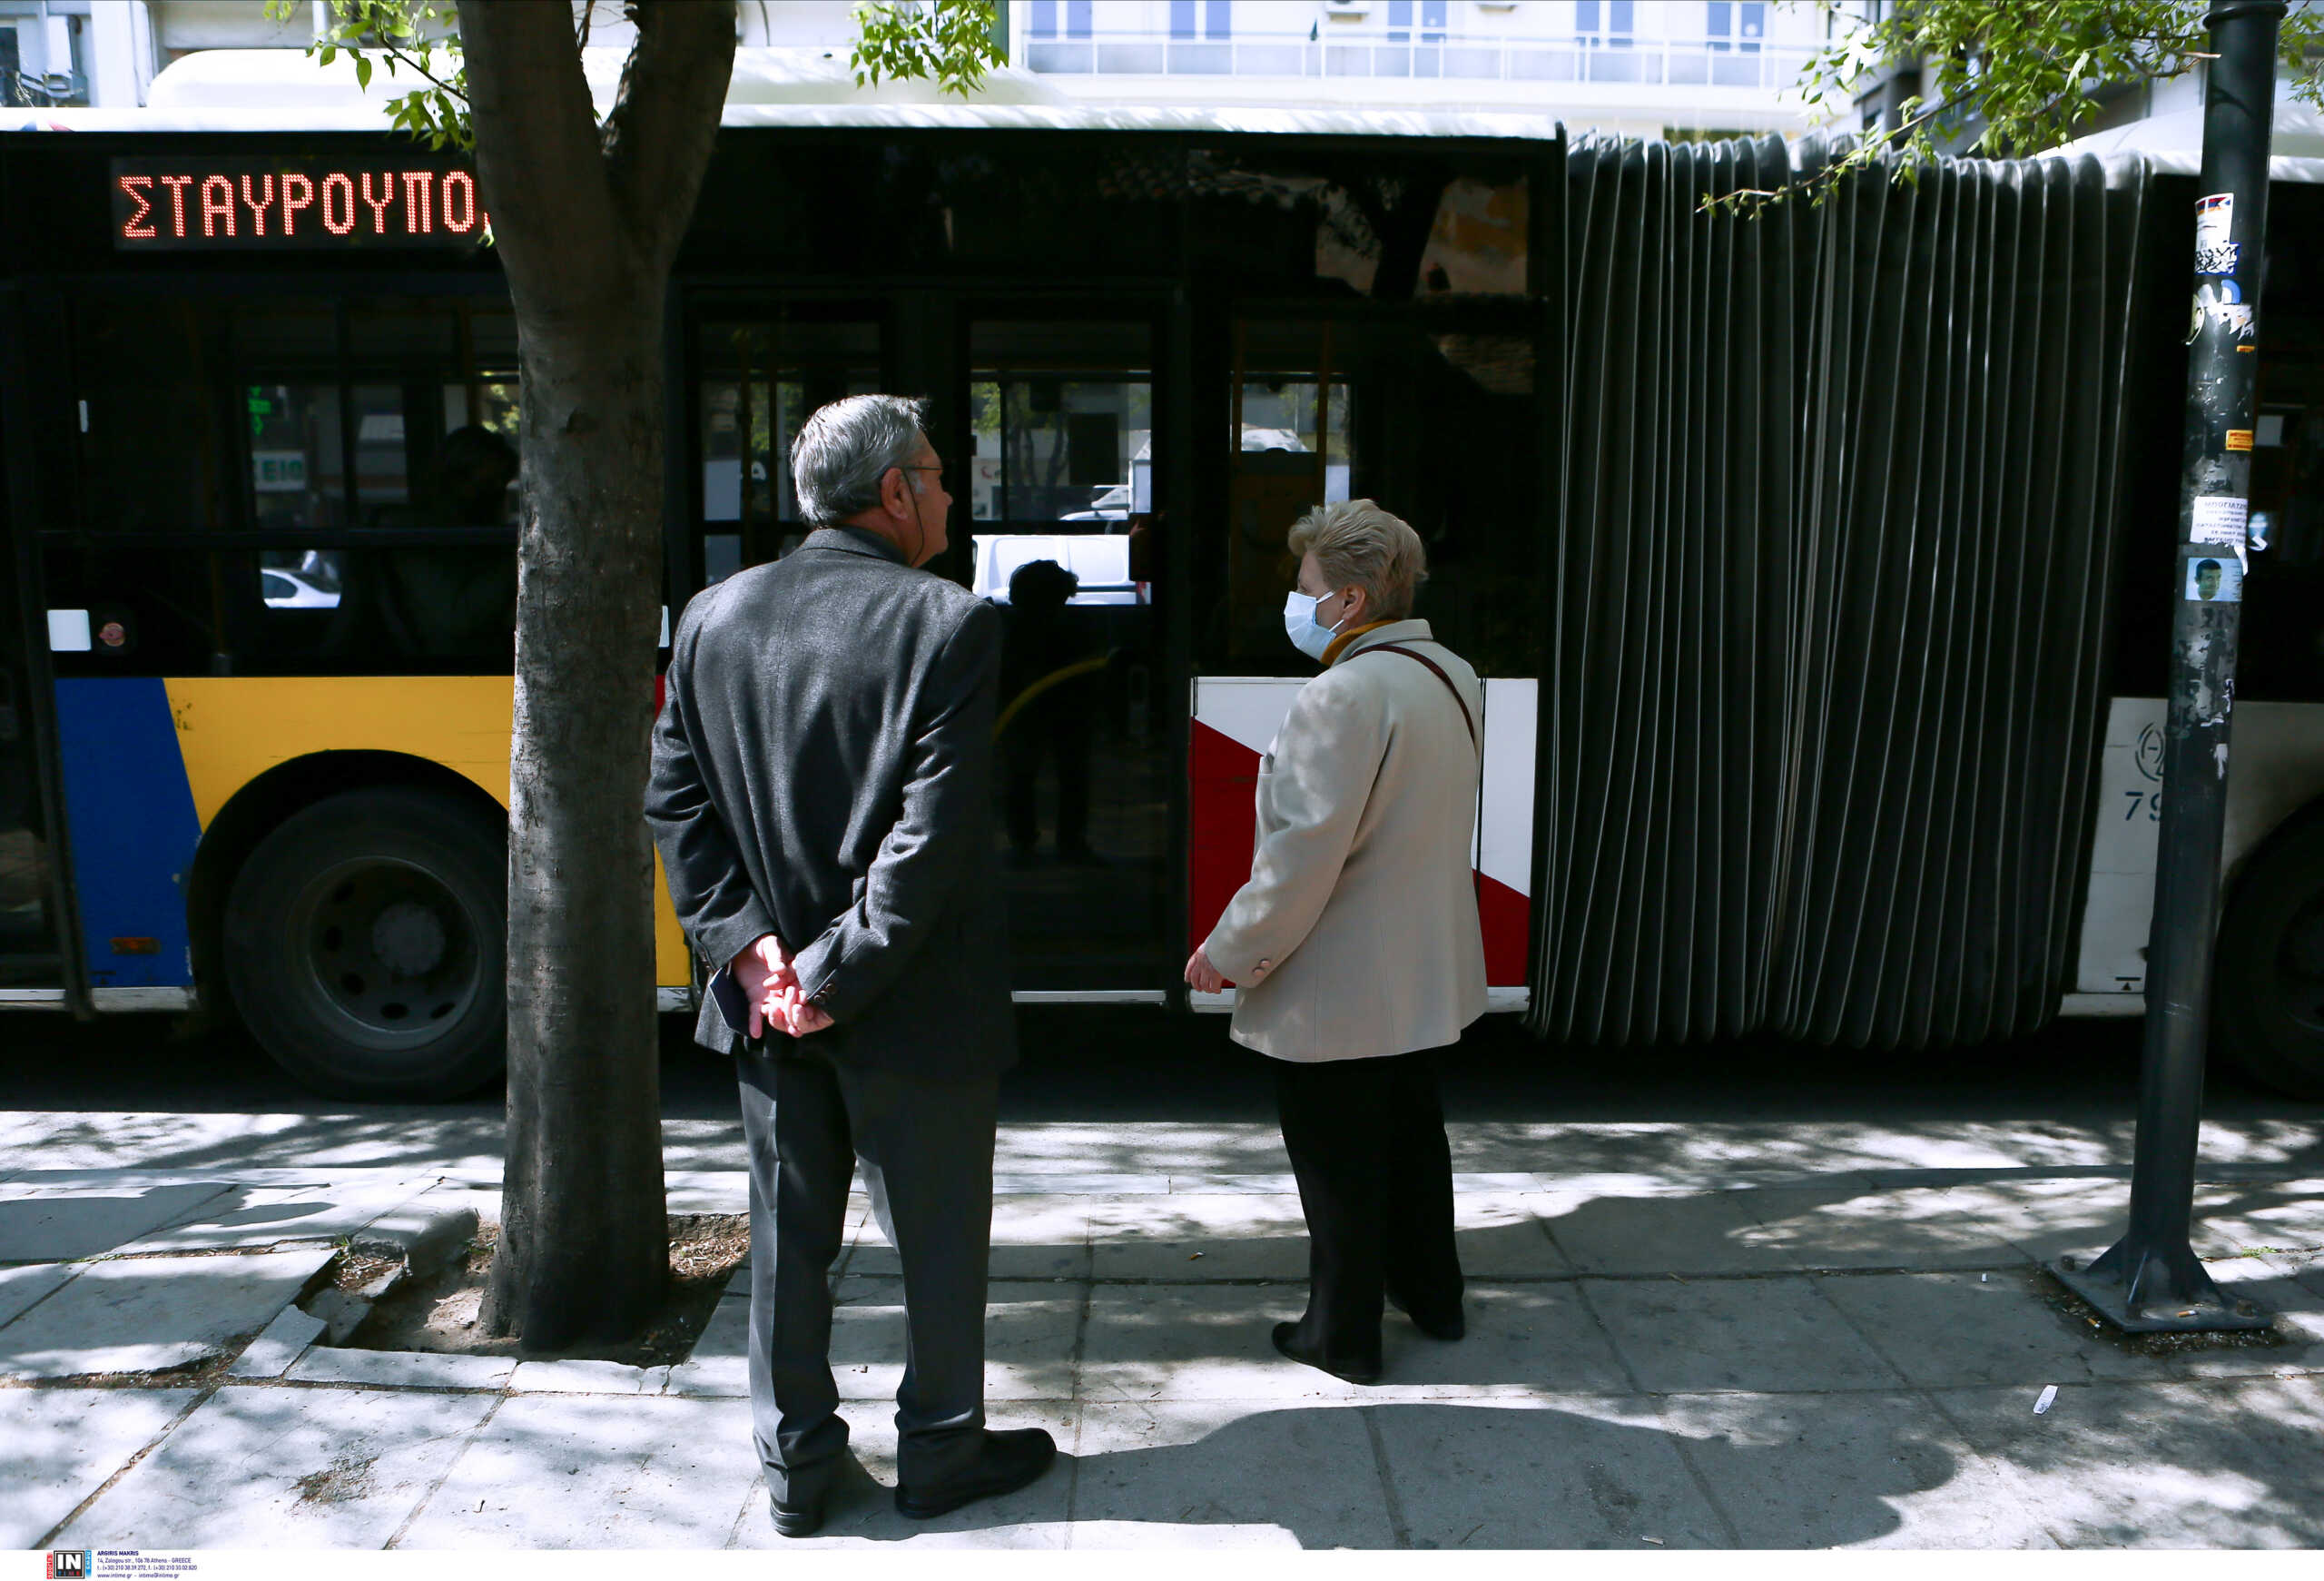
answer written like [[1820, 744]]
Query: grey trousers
[[926, 1149]]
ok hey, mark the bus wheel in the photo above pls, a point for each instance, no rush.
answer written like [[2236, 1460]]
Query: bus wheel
[[2268, 984], [365, 941]]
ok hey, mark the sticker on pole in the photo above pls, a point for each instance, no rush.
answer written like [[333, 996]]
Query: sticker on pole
[[2214, 581], [2222, 302], [2219, 518], [2215, 221], [2215, 250]]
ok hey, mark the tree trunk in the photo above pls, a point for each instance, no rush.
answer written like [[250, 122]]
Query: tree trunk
[[587, 220], [584, 1248]]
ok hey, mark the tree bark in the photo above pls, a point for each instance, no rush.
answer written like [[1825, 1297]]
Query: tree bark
[[586, 221]]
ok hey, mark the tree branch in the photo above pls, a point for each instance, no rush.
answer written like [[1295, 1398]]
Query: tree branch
[[657, 136], [536, 155]]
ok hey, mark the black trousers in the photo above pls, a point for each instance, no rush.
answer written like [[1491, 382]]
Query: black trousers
[[926, 1149], [1367, 1139]]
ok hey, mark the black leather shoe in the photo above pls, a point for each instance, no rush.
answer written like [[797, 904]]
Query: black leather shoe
[[1009, 1461], [800, 1518], [1290, 1346], [1456, 1328]]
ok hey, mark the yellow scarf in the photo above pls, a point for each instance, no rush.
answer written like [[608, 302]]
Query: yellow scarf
[[1339, 643]]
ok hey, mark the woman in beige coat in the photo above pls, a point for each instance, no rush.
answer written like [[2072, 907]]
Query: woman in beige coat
[[1355, 942]]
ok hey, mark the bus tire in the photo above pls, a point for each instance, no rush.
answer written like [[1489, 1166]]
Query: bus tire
[[2268, 975], [365, 944]]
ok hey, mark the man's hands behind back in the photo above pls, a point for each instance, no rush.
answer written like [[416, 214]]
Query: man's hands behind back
[[764, 974]]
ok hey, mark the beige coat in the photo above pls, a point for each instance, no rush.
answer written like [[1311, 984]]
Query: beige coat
[[1356, 935]]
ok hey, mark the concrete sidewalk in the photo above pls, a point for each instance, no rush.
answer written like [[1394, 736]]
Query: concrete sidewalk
[[1763, 1356]]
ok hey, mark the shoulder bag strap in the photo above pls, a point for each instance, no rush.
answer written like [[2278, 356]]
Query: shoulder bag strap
[[1438, 671]]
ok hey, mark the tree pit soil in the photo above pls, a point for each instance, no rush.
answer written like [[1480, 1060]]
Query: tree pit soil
[[443, 1313]]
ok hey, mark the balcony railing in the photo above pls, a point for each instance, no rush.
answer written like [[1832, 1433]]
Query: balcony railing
[[50, 90], [1661, 63]]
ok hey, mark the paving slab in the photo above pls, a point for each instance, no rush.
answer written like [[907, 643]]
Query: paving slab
[[1711, 1233], [62, 1224], [270, 1215], [1237, 1465], [582, 1377], [2226, 1464], [1552, 1473], [566, 1471], [279, 1344], [1759, 1336], [1522, 1339], [2045, 1219], [1196, 1343], [139, 1314], [402, 1369], [261, 1466], [1193, 1238], [1028, 1336], [862, 1512], [1845, 1227], [1220, 1185], [23, 1288], [1045, 1185], [1949, 1330], [1033, 1238], [1146, 1536], [1502, 1234], [58, 1446], [718, 1367], [1875, 1470]]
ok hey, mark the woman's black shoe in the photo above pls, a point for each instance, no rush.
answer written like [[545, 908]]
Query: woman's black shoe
[[1448, 1329], [1299, 1353], [1009, 1461]]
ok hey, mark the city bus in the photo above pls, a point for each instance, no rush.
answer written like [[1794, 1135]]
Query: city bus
[[258, 399]]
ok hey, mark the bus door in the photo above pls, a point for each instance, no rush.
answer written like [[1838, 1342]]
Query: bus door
[[1064, 486], [31, 970], [760, 373], [1433, 416]]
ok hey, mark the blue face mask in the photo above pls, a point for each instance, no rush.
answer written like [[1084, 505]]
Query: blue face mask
[[1299, 624]]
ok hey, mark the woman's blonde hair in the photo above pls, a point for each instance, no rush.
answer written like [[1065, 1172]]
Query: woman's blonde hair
[[1358, 545]]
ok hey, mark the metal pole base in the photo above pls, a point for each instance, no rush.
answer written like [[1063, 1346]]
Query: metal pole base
[[2157, 1289]]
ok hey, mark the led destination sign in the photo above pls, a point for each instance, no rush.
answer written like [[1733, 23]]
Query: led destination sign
[[259, 204]]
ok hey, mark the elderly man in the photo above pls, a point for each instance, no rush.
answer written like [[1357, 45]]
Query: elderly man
[[821, 797]]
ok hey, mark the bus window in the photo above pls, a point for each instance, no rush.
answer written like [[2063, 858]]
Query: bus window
[[1436, 426], [450, 593], [1380, 226], [760, 381], [1061, 449], [153, 442], [296, 478]]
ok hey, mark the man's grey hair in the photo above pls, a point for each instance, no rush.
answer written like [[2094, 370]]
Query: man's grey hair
[[846, 448]]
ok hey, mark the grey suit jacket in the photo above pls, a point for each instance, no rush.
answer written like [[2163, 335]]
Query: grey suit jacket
[[822, 771]]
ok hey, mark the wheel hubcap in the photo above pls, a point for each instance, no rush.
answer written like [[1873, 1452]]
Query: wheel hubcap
[[391, 953]]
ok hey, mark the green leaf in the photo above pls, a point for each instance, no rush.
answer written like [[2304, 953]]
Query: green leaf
[[363, 73]]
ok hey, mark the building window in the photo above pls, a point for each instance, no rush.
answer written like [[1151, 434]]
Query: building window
[[1431, 21], [1736, 24], [1605, 22], [1076, 18], [1043, 22], [1400, 21], [1218, 18]]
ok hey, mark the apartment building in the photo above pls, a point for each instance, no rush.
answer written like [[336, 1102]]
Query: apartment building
[[1645, 67]]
